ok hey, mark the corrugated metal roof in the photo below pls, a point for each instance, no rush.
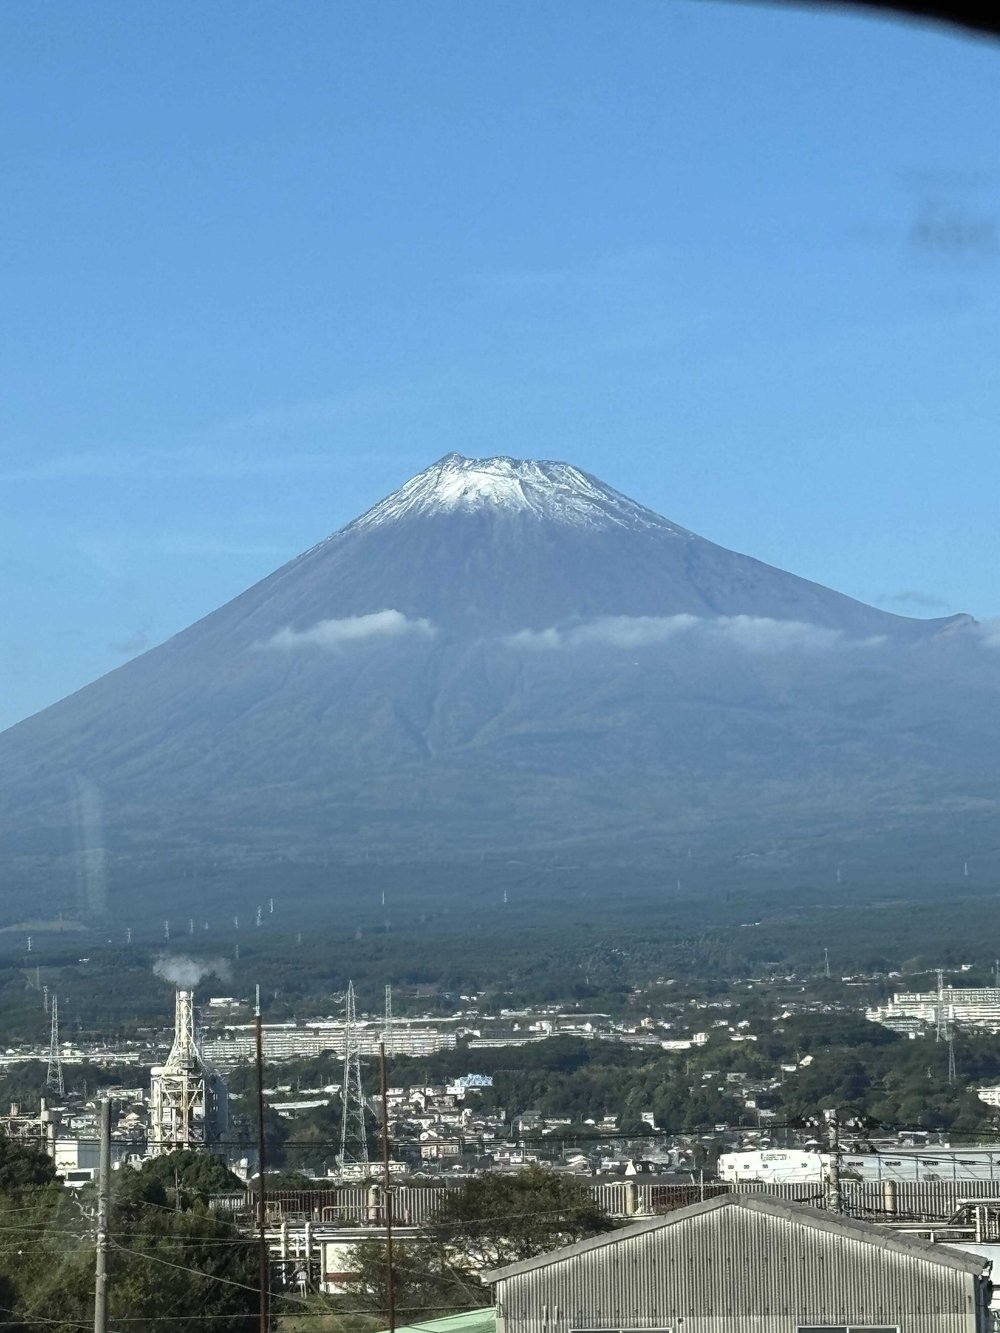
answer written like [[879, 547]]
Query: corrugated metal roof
[[832, 1223], [467, 1321]]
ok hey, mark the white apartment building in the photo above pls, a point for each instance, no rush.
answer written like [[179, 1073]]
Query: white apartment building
[[966, 1006], [289, 1041]]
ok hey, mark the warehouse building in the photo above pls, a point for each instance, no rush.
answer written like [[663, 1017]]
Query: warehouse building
[[747, 1264]]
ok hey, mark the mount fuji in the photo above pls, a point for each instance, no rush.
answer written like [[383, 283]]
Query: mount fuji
[[502, 658]]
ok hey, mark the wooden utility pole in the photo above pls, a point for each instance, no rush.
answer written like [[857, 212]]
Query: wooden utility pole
[[390, 1268], [261, 1192], [103, 1209]]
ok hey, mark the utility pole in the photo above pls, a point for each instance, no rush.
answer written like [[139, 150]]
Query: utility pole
[[261, 1193], [103, 1202], [390, 1271], [387, 1030], [834, 1201], [952, 1072]]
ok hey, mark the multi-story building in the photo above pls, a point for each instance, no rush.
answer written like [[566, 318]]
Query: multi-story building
[[965, 1006], [290, 1041]]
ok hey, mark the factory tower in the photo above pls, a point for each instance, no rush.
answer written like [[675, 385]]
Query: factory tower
[[188, 1102]]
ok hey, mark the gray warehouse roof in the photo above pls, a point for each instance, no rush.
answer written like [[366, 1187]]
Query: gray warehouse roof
[[806, 1215]]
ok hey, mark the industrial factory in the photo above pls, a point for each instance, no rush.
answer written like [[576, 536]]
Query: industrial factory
[[188, 1102], [187, 1106]]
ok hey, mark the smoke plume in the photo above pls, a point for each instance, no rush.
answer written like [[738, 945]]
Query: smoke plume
[[185, 973]]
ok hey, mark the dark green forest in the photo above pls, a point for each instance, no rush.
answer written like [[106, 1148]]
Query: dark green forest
[[588, 952]]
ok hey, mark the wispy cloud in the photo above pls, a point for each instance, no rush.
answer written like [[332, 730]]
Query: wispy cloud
[[753, 633], [617, 631], [947, 229], [277, 439], [352, 629], [136, 642], [190, 544], [925, 601], [201, 462], [989, 632], [115, 555], [321, 414]]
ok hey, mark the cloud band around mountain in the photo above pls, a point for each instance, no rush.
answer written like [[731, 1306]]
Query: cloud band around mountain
[[753, 633], [351, 630], [758, 634]]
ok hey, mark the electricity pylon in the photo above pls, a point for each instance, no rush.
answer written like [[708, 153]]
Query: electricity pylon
[[353, 1136]]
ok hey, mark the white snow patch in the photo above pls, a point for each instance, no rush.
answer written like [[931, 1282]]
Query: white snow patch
[[555, 491], [352, 629], [759, 634]]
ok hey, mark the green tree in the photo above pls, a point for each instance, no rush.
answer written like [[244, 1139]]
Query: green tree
[[427, 1282], [488, 1221], [163, 1258], [190, 1265], [23, 1166], [183, 1177]]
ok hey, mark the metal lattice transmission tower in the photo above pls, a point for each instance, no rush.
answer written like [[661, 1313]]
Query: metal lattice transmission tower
[[54, 1074], [353, 1138], [941, 1024]]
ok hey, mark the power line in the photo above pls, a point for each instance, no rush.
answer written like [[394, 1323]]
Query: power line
[[186, 1268], [205, 1318]]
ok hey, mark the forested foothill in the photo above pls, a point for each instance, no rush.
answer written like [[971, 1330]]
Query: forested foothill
[[591, 943], [760, 967]]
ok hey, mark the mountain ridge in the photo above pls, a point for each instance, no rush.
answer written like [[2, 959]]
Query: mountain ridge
[[483, 662]]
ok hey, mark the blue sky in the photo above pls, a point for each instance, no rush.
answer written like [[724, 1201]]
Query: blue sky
[[263, 262]]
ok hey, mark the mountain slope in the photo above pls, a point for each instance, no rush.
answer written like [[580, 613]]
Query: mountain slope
[[503, 653]]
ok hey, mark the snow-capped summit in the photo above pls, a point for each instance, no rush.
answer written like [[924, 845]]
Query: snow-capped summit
[[495, 546], [554, 491]]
